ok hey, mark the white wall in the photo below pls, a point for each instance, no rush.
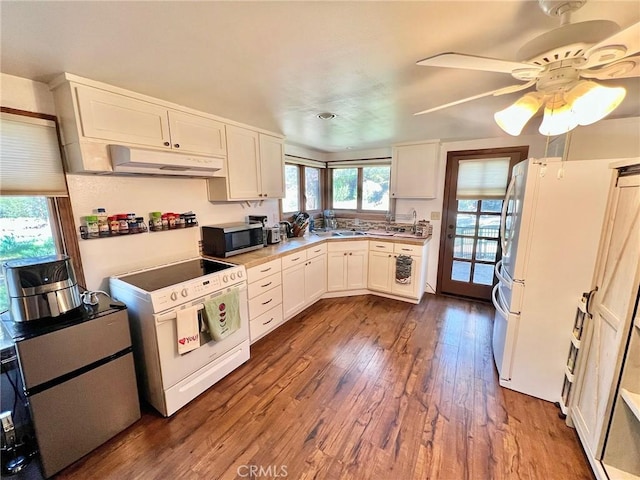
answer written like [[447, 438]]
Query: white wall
[[141, 195]]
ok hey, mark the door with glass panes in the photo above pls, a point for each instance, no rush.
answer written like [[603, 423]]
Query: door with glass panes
[[475, 185]]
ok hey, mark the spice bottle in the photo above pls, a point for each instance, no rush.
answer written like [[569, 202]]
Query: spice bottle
[[156, 221], [114, 225], [124, 224], [103, 222], [93, 230]]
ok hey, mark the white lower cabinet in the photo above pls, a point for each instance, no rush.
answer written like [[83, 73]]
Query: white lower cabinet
[[347, 265], [265, 298], [382, 269], [304, 279]]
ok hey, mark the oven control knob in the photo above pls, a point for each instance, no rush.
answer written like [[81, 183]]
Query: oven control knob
[[184, 292], [225, 279], [233, 276], [174, 296], [239, 273]]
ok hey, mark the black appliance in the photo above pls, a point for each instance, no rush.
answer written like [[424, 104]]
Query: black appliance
[[227, 239]]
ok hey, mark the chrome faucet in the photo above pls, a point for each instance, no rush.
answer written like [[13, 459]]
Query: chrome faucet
[[415, 221]]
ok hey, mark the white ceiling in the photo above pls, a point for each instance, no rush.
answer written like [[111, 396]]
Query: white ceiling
[[276, 65]]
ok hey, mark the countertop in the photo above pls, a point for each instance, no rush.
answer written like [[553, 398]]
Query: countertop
[[271, 252]]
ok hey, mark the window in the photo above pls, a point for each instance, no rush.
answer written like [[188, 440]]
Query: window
[[35, 212], [303, 186], [361, 188], [25, 231]]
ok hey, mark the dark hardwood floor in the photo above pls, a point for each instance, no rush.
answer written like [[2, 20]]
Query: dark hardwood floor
[[357, 388]]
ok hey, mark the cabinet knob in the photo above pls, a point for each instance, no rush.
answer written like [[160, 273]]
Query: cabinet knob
[[393, 194], [350, 253], [177, 145], [344, 253], [166, 144], [265, 194], [450, 236]]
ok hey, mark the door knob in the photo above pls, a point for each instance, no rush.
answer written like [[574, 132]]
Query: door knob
[[450, 235], [450, 226], [177, 145]]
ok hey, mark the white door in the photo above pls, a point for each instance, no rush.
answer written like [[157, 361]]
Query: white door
[[612, 310], [293, 293], [357, 269], [315, 278], [242, 163], [272, 166], [511, 220], [505, 329], [336, 271], [195, 134], [113, 117], [380, 271]]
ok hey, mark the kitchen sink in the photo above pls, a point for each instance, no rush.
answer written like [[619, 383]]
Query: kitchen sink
[[347, 233]]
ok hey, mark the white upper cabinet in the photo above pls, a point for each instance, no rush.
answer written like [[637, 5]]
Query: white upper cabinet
[[271, 166], [94, 115], [254, 168], [116, 118], [414, 170], [195, 134]]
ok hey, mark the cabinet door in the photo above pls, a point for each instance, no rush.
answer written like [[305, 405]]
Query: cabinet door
[[357, 262], [414, 171], [272, 166], [242, 163], [380, 271], [195, 134], [406, 289], [613, 303], [336, 271], [315, 278], [293, 290], [116, 118]]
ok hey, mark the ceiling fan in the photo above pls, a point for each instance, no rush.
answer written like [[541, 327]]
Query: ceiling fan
[[562, 65]]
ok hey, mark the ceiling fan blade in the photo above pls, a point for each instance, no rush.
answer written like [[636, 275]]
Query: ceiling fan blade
[[624, 43], [626, 68], [495, 93], [473, 62]]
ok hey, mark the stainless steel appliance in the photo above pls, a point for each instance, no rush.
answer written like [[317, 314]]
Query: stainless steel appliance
[[262, 220], [227, 239], [41, 287], [273, 235], [79, 379], [157, 299]]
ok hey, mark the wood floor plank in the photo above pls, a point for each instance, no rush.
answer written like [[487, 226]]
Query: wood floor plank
[[355, 388]]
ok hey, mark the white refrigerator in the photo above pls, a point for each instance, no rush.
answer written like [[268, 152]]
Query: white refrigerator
[[550, 229]]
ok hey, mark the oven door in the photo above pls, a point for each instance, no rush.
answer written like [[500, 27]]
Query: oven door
[[175, 367]]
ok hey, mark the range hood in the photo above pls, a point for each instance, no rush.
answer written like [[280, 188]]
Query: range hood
[[153, 162]]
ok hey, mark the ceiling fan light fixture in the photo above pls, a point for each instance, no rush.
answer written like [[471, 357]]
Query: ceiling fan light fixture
[[591, 101], [513, 118], [558, 117]]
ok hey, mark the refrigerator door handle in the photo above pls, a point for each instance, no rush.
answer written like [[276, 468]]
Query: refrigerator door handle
[[503, 214], [501, 277], [496, 302]]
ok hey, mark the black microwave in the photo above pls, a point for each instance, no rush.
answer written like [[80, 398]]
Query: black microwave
[[229, 239]]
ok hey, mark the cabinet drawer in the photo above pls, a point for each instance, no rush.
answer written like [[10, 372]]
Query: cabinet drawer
[[265, 301], [349, 246], [405, 249], [375, 246], [313, 252], [261, 271], [294, 259], [265, 322], [264, 284]]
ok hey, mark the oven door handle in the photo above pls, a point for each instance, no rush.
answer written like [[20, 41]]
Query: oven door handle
[[168, 317]]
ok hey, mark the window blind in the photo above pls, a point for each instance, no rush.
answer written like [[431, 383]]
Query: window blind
[[30, 161], [359, 163], [304, 161], [482, 178]]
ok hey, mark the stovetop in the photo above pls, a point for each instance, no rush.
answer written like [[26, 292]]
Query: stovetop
[[19, 331], [174, 274]]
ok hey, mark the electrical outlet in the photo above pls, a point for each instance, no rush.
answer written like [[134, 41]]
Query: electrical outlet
[[435, 215], [356, 221]]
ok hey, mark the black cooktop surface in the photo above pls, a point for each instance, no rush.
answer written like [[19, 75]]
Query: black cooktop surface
[[19, 331], [168, 275]]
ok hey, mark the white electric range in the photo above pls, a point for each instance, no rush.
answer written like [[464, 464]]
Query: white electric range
[[169, 380]]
